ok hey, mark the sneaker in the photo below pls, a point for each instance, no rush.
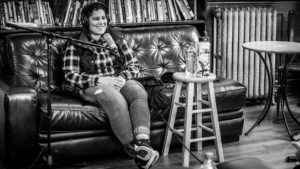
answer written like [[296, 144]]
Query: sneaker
[[130, 149], [145, 155]]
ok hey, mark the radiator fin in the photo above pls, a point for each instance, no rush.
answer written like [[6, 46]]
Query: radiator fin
[[232, 28]]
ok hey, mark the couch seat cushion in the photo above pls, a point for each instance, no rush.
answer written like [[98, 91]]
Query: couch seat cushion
[[230, 95], [71, 114]]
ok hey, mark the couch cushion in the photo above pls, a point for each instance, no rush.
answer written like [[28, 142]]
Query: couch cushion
[[160, 50], [26, 58], [230, 95], [72, 114]]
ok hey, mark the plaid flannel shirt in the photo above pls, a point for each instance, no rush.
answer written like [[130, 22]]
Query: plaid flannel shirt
[[104, 62]]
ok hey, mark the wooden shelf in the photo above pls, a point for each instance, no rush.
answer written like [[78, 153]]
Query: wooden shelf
[[186, 22], [43, 28], [78, 28]]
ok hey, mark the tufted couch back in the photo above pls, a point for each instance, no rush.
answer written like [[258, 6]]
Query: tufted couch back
[[159, 49]]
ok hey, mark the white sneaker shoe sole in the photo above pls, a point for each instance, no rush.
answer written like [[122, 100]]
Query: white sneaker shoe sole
[[152, 160]]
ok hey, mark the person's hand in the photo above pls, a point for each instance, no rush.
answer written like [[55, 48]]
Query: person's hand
[[116, 82], [87, 98], [120, 82]]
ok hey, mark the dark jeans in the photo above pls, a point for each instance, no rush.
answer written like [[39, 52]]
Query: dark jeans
[[127, 109]]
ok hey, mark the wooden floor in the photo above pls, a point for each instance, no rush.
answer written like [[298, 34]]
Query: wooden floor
[[268, 141]]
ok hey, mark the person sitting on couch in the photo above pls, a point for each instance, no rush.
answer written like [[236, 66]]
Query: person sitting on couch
[[100, 75]]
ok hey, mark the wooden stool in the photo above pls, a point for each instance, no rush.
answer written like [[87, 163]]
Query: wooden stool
[[180, 77]]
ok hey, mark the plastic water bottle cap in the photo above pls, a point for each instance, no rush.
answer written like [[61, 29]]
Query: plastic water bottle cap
[[209, 154]]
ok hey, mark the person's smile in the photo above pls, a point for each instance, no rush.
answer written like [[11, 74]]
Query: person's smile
[[97, 23]]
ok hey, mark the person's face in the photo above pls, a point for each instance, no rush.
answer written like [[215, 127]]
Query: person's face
[[97, 23]]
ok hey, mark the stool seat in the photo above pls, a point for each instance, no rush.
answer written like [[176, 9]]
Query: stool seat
[[193, 109], [181, 76]]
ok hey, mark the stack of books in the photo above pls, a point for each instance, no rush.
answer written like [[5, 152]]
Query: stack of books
[[29, 11], [131, 11], [135, 11], [72, 13]]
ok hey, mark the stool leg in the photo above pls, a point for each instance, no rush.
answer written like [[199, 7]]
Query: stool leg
[[188, 124], [199, 115], [172, 117], [215, 122]]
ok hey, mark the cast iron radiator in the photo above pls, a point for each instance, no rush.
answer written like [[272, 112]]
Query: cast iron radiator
[[231, 28]]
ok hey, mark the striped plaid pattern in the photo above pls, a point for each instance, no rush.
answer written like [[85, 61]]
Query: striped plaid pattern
[[104, 62]]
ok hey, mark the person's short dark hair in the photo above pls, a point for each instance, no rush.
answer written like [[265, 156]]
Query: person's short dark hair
[[89, 9]]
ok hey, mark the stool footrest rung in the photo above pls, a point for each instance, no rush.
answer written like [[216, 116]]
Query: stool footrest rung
[[179, 104], [205, 128], [193, 129], [178, 131], [203, 139], [202, 110], [204, 102]]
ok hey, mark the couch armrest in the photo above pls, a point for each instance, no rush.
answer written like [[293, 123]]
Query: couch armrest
[[19, 123], [2, 125]]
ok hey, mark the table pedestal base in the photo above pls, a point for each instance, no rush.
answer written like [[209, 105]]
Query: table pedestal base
[[281, 97]]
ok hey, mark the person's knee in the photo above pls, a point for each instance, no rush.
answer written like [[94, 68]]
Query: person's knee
[[136, 89], [103, 94], [112, 102]]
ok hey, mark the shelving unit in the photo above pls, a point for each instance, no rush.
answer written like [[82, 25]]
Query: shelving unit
[[58, 8], [38, 12]]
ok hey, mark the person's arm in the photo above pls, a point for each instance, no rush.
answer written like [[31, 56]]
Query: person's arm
[[71, 68], [131, 63]]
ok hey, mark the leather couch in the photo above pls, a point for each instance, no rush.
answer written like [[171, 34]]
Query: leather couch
[[80, 130]]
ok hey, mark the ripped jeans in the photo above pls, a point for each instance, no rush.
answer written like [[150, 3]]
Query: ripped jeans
[[127, 110]]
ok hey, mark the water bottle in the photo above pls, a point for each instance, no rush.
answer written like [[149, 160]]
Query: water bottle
[[208, 162], [203, 58], [191, 61]]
